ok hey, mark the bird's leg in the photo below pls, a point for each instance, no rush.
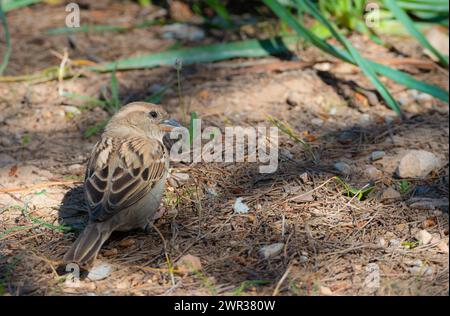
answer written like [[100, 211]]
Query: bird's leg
[[148, 227], [159, 214]]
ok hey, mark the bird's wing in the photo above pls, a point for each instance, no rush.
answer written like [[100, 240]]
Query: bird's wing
[[121, 172]]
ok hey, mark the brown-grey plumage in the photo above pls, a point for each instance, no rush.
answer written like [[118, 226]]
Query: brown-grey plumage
[[125, 177]]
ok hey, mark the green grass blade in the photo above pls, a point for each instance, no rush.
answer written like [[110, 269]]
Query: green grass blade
[[409, 81], [386, 71], [9, 5], [220, 9], [145, 3], [115, 99], [406, 20], [204, 54], [86, 28], [427, 6], [194, 116], [8, 50], [360, 61]]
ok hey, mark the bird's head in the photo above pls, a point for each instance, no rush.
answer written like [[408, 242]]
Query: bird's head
[[143, 118]]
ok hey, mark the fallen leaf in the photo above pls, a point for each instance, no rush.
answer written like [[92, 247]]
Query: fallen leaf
[[13, 171], [429, 222]]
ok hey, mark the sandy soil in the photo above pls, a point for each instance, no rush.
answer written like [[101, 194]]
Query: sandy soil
[[332, 244]]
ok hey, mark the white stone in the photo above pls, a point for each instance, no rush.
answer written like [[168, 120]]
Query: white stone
[[417, 164], [271, 251], [424, 237], [100, 271]]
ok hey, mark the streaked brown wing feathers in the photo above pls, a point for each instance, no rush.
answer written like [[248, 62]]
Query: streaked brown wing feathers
[[121, 172]]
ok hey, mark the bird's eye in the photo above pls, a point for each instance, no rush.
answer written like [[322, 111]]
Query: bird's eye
[[154, 114]]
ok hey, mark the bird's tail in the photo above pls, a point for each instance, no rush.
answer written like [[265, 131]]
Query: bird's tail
[[88, 244]]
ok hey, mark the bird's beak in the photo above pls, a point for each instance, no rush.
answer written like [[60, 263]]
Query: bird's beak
[[169, 124]]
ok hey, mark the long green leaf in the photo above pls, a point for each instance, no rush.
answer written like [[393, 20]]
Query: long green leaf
[[8, 50], [388, 72], [9, 5], [428, 6], [360, 61], [203, 54], [220, 9], [406, 20]]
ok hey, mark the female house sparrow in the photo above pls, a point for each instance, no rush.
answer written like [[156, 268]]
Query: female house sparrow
[[125, 177]]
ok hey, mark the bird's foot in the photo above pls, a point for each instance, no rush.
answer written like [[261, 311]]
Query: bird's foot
[[158, 214]]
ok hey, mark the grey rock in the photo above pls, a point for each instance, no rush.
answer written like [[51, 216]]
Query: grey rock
[[304, 177], [424, 237], [181, 177], [292, 99], [394, 243], [343, 167], [317, 121], [372, 173], [240, 207], [183, 32], [286, 153], [417, 164], [271, 251], [347, 137], [211, 191], [100, 271], [390, 194], [418, 268], [377, 155], [76, 169]]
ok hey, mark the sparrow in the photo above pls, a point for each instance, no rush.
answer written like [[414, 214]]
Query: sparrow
[[125, 177]]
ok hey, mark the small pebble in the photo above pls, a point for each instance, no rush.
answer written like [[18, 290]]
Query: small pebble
[[424, 237], [180, 177], [377, 155], [304, 177], [188, 264], [286, 153], [417, 164], [373, 173], [325, 291], [100, 271], [343, 167], [317, 121], [292, 99], [271, 251], [240, 207], [394, 243], [346, 137], [443, 247], [390, 194], [183, 32]]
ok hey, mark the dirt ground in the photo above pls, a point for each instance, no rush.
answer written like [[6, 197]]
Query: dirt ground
[[333, 244]]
